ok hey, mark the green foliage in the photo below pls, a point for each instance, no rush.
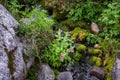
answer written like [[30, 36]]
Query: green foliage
[[109, 33], [14, 7], [84, 10], [37, 30], [57, 52], [109, 62], [77, 56], [32, 72], [92, 39], [56, 72], [110, 48], [111, 15]]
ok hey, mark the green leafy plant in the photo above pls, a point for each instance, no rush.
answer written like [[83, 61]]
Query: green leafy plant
[[92, 39], [14, 7], [37, 30], [111, 15], [57, 52], [84, 11], [109, 33]]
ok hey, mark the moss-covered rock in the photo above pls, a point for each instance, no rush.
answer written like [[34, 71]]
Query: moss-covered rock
[[79, 34], [96, 52], [78, 56], [95, 61], [81, 48]]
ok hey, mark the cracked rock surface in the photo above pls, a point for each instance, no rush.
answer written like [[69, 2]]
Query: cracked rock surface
[[12, 64]]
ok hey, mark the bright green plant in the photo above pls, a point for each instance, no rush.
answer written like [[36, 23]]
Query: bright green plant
[[37, 30], [92, 39], [57, 52], [77, 56], [111, 15]]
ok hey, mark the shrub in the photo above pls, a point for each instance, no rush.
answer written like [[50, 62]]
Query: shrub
[[14, 7], [84, 11], [58, 51], [92, 39], [109, 32], [111, 15], [38, 30]]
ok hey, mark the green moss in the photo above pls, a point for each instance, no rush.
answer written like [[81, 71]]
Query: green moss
[[74, 24], [81, 48], [79, 34], [11, 58], [95, 61], [92, 60], [78, 56], [93, 51], [98, 61], [108, 67]]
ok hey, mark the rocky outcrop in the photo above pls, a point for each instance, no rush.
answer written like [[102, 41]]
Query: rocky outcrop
[[98, 72], [65, 76], [94, 78], [116, 69], [45, 73], [12, 65]]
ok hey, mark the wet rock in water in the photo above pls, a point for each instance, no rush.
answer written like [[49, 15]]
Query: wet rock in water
[[94, 78], [116, 69], [94, 28], [45, 73], [65, 76], [12, 65], [98, 72]]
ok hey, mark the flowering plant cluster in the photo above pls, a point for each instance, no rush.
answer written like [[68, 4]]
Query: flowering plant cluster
[[58, 51]]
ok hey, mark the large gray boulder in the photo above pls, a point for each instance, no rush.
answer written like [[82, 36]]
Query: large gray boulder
[[65, 76], [45, 73], [12, 64], [116, 69], [98, 72]]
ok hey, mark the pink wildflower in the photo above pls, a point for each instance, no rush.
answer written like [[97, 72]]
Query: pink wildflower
[[70, 49], [62, 56]]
